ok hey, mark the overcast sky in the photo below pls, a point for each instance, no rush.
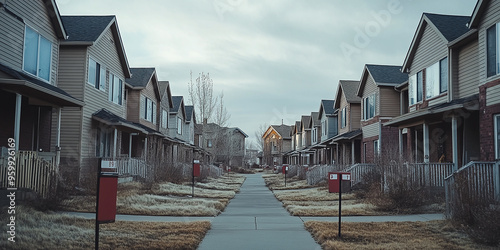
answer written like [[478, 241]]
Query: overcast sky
[[274, 60]]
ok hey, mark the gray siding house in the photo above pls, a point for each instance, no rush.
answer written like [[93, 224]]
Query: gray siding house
[[433, 127], [329, 129], [93, 68], [348, 140], [30, 90], [380, 102]]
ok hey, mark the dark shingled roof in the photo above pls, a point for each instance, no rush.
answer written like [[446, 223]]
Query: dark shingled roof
[[315, 118], [350, 89], [140, 76], [328, 106], [23, 76], [283, 130], [85, 28], [450, 26], [189, 112], [177, 103], [387, 74], [348, 135], [306, 121]]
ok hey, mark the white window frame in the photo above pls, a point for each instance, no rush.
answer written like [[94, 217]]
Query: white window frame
[[179, 126], [164, 119], [376, 148], [101, 85], [496, 121], [413, 88], [496, 27], [38, 62], [115, 89], [343, 117]]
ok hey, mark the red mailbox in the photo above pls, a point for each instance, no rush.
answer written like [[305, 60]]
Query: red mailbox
[[196, 168], [108, 185], [285, 169], [333, 182]]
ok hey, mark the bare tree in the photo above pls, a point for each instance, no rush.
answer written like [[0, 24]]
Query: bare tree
[[221, 114], [201, 96], [258, 135]]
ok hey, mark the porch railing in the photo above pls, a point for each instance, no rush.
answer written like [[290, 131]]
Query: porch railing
[[33, 172], [358, 171], [318, 173], [474, 183], [132, 166]]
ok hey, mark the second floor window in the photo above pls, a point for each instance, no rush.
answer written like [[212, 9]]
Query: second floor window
[[97, 75], [369, 107], [343, 117], [415, 88], [37, 56], [323, 128], [179, 126], [436, 78], [115, 89], [164, 118], [492, 55], [148, 109]]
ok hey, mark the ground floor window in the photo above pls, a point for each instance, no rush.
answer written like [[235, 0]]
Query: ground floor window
[[103, 143]]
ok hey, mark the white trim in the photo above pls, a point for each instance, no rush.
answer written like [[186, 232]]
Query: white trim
[[38, 55], [495, 129]]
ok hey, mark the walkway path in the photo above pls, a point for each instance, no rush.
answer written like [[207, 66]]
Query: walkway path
[[255, 219]]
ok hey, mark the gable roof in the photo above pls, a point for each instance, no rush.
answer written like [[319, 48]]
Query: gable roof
[[449, 27], [314, 119], [178, 102], [382, 75], [190, 113], [140, 76], [305, 122], [479, 9], [164, 86], [86, 31], [349, 89], [282, 130], [326, 107], [297, 125]]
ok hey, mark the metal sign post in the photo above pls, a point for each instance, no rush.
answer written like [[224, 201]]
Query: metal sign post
[[340, 205]]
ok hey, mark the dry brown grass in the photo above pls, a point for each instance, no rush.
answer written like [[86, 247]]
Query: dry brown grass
[[391, 235], [37, 230], [277, 182], [168, 199]]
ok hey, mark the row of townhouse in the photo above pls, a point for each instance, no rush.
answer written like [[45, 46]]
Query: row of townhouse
[[70, 97], [441, 106]]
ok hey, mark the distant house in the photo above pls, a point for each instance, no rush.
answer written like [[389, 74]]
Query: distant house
[[93, 68], [30, 90], [315, 146], [143, 105], [277, 142], [305, 153], [226, 145], [380, 102], [329, 129], [349, 138], [182, 151], [293, 157], [432, 126], [189, 124]]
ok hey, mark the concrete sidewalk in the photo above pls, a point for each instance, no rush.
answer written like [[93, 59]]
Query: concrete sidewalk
[[255, 219]]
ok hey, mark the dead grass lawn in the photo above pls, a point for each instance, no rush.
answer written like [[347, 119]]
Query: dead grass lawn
[[277, 182], [391, 235], [167, 199], [38, 230]]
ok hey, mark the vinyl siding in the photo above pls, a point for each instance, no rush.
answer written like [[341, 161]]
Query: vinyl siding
[[133, 105], [150, 93], [105, 53], [490, 17], [432, 48], [438, 100], [389, 102], [343, 103], [371, 130], [355, 116], [35, 15], [468, 78], [368, 90], [493, 95]]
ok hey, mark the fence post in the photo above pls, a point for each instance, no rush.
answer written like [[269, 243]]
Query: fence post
[[496, 180]]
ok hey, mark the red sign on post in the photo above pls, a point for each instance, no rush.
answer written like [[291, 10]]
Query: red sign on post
[[196, 168], [285, 169], [108, 185]]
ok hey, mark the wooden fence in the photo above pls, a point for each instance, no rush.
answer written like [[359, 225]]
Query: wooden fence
[[31, 172], [417, 174], [473, 184], [318, 173]]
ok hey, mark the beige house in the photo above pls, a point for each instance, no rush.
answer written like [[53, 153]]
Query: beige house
[[277, 142]]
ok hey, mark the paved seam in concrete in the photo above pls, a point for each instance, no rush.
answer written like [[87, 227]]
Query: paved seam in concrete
[[255, 219]]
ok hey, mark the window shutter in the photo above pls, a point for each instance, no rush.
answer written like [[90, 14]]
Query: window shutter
[[154, 113]]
